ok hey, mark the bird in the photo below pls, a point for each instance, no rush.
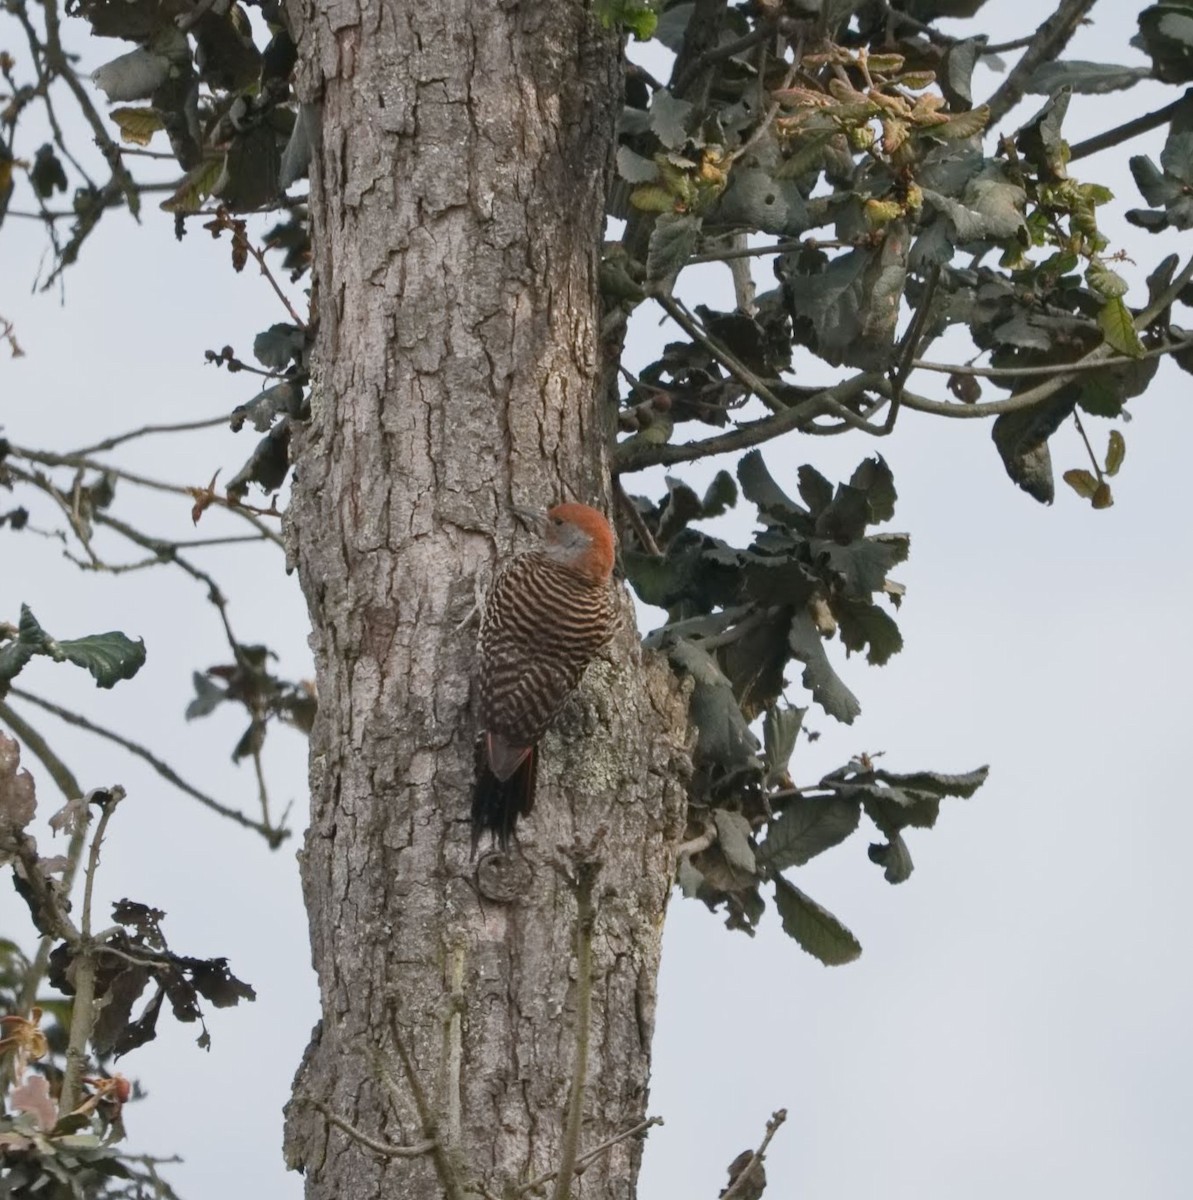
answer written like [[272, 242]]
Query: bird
[[550, 611]]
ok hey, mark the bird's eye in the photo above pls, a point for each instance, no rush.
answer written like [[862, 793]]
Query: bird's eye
[[556, 520]]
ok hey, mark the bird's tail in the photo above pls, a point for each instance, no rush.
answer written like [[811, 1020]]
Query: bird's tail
[[498, 803]]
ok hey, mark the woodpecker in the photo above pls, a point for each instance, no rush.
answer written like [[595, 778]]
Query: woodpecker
[[549, 613]]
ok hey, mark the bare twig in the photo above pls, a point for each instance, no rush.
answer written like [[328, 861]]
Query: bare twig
[[737, 1189], [645, 537], [145, 431], [635, 456], [583, 886], [386, 1149], [590, 1156], [242, 239], [680, 315], [274, 836], [1126, 131], [82, 1010], [1052, 368], [1046, 43], [445, 1167], [68, 785], [1027, 399]]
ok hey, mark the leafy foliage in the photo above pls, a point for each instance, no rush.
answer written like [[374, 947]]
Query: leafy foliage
[[738, 620], [110, 657]]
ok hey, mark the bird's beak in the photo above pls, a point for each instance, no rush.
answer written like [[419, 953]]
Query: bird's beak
[[533, 518]]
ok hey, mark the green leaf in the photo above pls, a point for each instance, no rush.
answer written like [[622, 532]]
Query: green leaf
[[723, 735], [1021, 439], [1166, 35], [758, 486], [1081, 481], [137, 125], [195, 187], [207, 697], [1104, 282], [851, 306], [733, 834], [668, 118], [650, 197], [1115, 452], [267, 465], [808, 826], [815, 928], [763, 203], [671, 243], [279, 345], [961, 126], [819, 678], [688, 877], [894, 857], [720, 496], [110, 657], [815, 491], [31, 639], [863, 625], [936, 783], [1118, 328], [780, 729], [1040, 141], [1084, 78], [634, 168]]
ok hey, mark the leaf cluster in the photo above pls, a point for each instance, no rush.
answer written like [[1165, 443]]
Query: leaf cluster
[[133, 957], [110, 657], [739, 619], [857, 143]]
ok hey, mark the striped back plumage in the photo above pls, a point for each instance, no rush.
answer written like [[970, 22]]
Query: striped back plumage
[[543, 623]]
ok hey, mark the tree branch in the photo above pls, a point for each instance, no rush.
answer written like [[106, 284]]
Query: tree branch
[[633, 455], [387, 1149], [1127, 130], [1046, 43], [737, 1189], [591, 1155], [272, 835]]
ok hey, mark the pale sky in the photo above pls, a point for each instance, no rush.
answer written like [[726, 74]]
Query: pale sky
[[1018, 1022]]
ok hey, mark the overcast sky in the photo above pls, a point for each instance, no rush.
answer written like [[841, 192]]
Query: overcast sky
[[1018, 1022]]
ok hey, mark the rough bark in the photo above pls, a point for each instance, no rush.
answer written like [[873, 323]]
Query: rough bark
[[457, 200]]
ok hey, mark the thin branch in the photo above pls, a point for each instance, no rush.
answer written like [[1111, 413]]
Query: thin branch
[[590, 1156], [645, 537], [387, 1149], [82, 1009], [84, 462], [779, 247], [145, 430], [680, 315], [107, 807], [1046, 43], [636, 456], [445, 1168], [583, 884], [68, 785], [1126, 131], [737, 1189], [1019, 43], [697, 844], [1098, 356], [1093, 458], [1051, 369], [238, 235], [273, 836]]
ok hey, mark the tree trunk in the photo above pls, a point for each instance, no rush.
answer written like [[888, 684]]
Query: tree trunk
[[457, 202]]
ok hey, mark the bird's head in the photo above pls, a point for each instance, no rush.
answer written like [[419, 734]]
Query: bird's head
[[576, 535]]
